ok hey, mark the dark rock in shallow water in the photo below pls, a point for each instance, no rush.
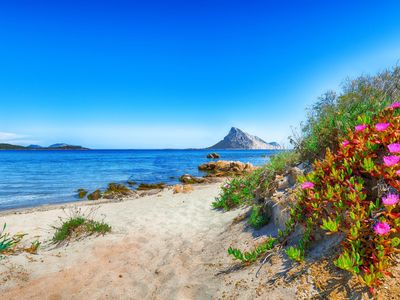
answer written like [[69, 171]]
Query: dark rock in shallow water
[[82, 193], [213, 155], [131, 182], [151, 186], [189, 179], [115, 190], [95, 195]]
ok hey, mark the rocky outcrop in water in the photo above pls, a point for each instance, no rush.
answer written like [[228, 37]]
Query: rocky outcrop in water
[[224, 168], [238, 139]]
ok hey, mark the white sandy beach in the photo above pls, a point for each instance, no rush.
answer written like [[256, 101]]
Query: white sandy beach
[[164, 246]]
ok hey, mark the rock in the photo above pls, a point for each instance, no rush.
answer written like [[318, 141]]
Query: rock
[[182, 188], [115, 191], [151, 186], [131, 182], [282, 182], [223, 168], [293, 174], [82, 193], [95, 195], [213, 155], [189, 179]]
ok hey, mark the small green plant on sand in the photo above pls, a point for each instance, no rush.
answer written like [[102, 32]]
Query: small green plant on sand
[[257, 218], [79, 224], [251, 256]]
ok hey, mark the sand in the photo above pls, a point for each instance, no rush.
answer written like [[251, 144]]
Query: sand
[[163, 246]]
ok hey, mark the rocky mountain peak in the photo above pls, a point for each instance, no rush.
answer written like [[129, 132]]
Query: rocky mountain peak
[[238, 139]]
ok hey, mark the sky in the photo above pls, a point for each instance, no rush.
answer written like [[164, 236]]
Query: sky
[[179, 74]]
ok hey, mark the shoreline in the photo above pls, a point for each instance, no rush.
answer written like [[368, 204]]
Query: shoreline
[[79, 202]]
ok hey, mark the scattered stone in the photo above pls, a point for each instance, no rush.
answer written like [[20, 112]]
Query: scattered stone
[[224, 168], [151, 186], [82, 193], [190, 179], [131, 182], [95, 195], [182, 188], [213, 155]]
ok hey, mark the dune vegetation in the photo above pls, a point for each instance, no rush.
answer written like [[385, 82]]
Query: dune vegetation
[[348, 148]]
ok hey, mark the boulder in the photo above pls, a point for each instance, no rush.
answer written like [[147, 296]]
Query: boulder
[[82, 193], [95, 195], [151, 186], [293, 174], [189, 179], [224, 168], [116, 191], [213, 155]]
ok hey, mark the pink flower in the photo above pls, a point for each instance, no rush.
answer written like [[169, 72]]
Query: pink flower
[[382, 126], [391, 160], [307, 185], [398, 172], [345, 143], [227, 186], [395, 105], [390, 199], [394, 148], [360, 127], [381, 228]]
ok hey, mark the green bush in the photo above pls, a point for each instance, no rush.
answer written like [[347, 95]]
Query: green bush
[[257, 218], [333, 115], [78, 226], [238, 191]]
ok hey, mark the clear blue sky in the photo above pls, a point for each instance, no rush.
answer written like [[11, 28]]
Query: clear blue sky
[[160, 74]]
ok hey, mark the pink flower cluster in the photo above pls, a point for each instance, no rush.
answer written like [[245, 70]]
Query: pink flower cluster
[[390, 199], [394, 148], [360, 127], [345, 143], [391, 160], [382, 126], [395, 105], [381, 228], [307, 185]]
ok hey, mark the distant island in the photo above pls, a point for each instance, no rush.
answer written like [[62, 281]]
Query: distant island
[[238, 139], [60, 146]]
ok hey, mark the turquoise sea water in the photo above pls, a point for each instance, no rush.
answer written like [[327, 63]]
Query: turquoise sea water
[[31, 178]]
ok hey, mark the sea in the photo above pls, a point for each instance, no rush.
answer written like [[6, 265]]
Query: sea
[[39, 177]]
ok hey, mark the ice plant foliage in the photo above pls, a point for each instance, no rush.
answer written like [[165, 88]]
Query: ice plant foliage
[[343, 200]]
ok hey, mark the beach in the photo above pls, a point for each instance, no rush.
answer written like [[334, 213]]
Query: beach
[[162, 246]]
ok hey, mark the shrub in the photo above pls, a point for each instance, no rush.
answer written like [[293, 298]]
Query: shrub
[[355, 192], [329, 120], [257, 218], [238, 191], [78, 224]]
